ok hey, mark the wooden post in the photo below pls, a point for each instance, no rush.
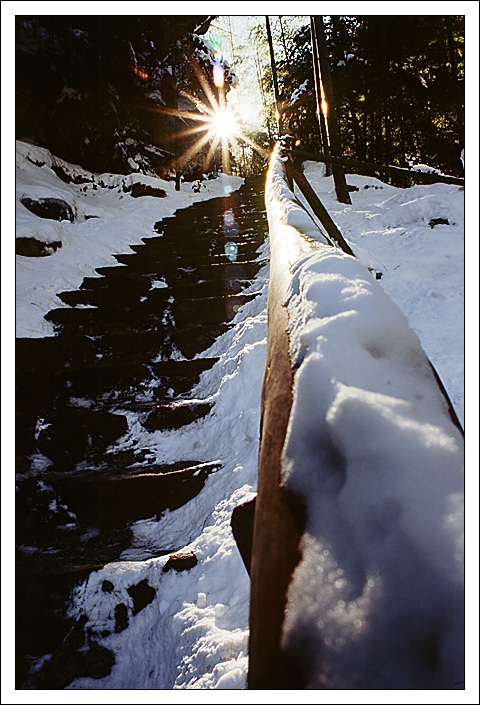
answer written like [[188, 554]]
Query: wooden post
[[175, 105], [274, 74], [333, 134], [317, 206], [318, 95]]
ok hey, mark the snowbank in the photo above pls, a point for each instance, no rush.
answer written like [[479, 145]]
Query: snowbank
[[377, 599], [421, 267]]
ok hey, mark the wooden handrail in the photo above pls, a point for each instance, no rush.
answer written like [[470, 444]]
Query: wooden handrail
[[279, 515]]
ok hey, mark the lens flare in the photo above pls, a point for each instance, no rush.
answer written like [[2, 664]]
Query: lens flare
[[218, 72], [138, 72], [219, 123]]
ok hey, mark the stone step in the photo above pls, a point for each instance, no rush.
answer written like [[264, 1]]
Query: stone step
[[206, 268], [141, 317], [114, 377], [149, 315], [117, 500], [68, 438], [133, 283], [163, 247], [192, 341], [147, 262], [121, 377], [53, 353], [100, 291], [192, 230], [166, 417], [209, 310], [211, 272]]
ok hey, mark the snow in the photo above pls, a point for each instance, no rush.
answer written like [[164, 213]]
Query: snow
[[119, 222], [194, 634], [298, 92], [421, 268], [372, 451]]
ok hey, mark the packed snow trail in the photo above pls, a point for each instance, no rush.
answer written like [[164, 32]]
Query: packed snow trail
[[92, 402]]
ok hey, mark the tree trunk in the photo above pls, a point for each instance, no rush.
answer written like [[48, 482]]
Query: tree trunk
[[338, 173], [318, 96], [454, 69], [274, 74], [357, 132]]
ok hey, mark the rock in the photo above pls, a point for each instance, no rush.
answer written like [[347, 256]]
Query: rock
[[180, 561], [67, 178], [438, 221], [52, 208], [31, 247], [121, 617], [142, 595], [139, 189], [177, 414], [107, 586], [116, 500], [77, 657]]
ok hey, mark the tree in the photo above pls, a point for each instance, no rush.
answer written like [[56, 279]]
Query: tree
[[96, 90]]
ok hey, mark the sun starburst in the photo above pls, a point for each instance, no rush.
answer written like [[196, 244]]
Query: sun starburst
[[219, 124]]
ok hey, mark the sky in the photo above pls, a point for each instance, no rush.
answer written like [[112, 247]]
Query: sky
[[246, 96]]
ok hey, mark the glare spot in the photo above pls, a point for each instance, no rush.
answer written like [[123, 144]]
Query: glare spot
[[231, 250], [224, 123]]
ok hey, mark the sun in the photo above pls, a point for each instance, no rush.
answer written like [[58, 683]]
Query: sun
[[220, 125], [224, 123]]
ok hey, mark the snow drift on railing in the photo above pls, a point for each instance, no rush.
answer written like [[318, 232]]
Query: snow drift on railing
[[377, 599]]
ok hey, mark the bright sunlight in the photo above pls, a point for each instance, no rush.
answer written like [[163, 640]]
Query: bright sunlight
[[224, 123]]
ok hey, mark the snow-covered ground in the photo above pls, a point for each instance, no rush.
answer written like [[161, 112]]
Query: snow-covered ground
[[194, 634], [422, 267]]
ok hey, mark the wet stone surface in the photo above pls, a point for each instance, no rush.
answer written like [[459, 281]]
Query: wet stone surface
[[77, 489]]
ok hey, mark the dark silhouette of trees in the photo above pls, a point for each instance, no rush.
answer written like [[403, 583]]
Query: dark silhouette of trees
[[398, 82], [91, 88]]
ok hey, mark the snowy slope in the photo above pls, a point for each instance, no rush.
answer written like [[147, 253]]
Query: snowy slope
[[422, 267]]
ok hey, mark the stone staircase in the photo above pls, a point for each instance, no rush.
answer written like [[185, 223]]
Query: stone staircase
[[126, 342]]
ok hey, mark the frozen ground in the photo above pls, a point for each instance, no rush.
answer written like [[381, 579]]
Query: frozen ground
[[194, 634]]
